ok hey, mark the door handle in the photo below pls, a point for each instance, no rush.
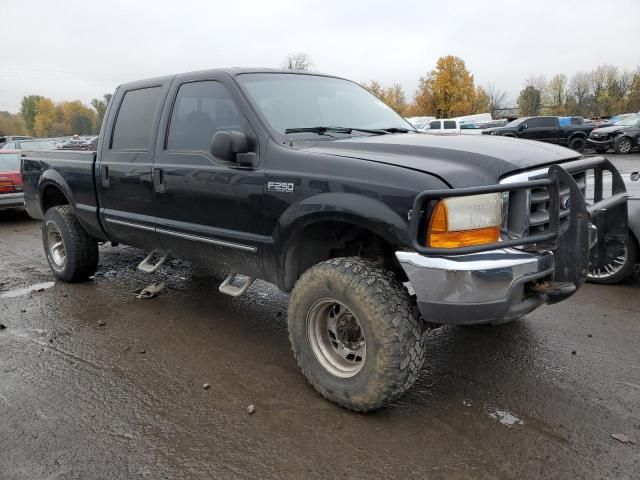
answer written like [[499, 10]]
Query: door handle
[[158, 180], [104, 175]]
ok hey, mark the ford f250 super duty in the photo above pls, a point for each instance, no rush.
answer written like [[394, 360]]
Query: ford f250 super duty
[[309, 182]]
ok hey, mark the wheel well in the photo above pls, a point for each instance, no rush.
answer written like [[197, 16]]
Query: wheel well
[[330, 239], [52, 196], [581, 135]]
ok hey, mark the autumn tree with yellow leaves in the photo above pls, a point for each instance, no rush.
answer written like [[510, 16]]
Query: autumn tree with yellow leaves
[[393, 96], [449, 91], [45, 117]]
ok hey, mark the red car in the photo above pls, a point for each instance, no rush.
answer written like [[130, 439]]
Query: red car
[[11, 194]]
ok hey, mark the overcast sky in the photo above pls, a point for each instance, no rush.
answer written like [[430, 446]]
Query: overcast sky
[[81, 49]]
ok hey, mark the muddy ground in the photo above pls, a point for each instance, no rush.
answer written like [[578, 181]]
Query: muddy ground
[[539, 398]]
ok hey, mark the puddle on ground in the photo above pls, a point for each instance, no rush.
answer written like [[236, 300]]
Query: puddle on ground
[[19, 292], [505, 417]]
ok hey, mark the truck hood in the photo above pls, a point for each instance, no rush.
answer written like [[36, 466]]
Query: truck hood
[[460, 160]]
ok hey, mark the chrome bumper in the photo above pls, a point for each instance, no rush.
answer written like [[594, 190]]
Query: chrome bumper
[[11, 200], [476, 288]]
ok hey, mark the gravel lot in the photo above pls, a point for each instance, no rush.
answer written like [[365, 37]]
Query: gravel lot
[[539, 398]]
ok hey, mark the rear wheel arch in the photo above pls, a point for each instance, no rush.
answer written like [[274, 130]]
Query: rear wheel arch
[[52, 195]]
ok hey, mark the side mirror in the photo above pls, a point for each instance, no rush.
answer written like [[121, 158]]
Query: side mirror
[[634, 177], [522, 126], [233, 146]]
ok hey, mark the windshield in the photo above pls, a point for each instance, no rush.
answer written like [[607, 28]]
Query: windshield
[[303, 101], [516, 122], [631, 121], [37, 145], [9, 162]]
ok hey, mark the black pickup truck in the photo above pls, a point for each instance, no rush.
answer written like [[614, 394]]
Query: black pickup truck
[[309, 182], [545, 129]]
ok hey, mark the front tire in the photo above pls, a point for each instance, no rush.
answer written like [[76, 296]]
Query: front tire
[[71, 252], [355, 333], [620, 264], [623, 145]]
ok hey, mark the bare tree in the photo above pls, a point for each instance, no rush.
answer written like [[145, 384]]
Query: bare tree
[[539, 82], [298, 61], [556, 94], [580, 86], [497, 99]]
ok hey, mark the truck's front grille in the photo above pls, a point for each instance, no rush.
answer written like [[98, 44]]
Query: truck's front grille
[[539, 205], [528, 210]]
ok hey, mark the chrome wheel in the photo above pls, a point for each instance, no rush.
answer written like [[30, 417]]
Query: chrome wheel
[[55, 245], [613, 267], [624, 146], [336, 338]]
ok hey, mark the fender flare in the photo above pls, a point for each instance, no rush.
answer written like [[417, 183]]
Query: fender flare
[[365, 212], [49, 178], [350, 208]]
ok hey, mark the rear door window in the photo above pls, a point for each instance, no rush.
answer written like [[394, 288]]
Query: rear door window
[[449, 125], [435, 125], [132, 130]]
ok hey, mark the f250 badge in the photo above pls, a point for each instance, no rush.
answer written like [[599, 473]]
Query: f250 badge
[[281, 187]]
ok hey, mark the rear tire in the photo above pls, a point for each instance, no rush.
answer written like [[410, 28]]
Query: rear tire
[[71, 252], [623, 145], [353, 306], [577, 144]]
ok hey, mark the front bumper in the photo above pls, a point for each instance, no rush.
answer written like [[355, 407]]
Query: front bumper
[[476, 288], [501, 281], [596, 143], [11, 200]]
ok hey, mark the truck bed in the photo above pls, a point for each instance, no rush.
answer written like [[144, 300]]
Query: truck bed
[[74, 172]]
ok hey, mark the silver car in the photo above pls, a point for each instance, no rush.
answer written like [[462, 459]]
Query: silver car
[[621, 261]]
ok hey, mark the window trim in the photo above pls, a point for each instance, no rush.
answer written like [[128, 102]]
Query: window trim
[[115, 119]]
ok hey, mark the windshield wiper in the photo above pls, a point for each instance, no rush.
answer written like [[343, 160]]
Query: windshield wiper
[[397, 130], [324, 130]]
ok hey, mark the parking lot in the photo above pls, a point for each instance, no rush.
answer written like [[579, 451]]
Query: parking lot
[[97, 383]]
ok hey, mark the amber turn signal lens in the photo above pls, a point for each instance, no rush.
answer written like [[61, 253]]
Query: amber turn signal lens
[[440, 235], [464, 238]]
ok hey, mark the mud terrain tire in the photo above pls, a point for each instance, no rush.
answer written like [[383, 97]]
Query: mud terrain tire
[[71, 252], [390, 326]]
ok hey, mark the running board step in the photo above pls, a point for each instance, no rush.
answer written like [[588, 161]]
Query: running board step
[[147, 266], [227, 286]]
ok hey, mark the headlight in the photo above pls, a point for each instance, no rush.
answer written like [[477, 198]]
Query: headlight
[[465, 221]]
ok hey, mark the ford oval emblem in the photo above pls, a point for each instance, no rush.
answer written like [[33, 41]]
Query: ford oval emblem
[[565, 203]]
